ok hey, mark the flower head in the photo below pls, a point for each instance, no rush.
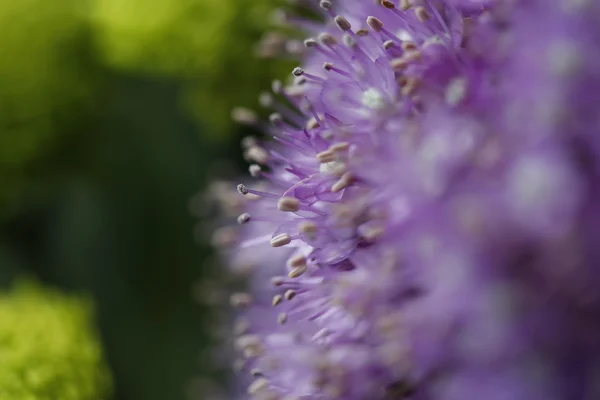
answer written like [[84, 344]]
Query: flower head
[[431, 186]]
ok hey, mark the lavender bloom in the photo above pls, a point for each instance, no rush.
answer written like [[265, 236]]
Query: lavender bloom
[[429, 222]]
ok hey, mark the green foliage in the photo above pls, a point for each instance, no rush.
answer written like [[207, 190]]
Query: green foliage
[[43, 82], [49, 348], [210, 43]]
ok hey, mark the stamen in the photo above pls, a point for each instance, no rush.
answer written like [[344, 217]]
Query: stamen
[[346, 180], [388, 44], [277, 86], [328, 39], [290, 294], [259, 385], [266, 100], [243, 218], [288, 204], [281, 240], [327, 66], [298, 71], [375, 23], [244, 116], [276, 119], [241, 300], [308, 227], [244, 190], [422, 14], [342, 23], [257, 154], [277, 300], [297, 271], [297, 261], [282, 318]]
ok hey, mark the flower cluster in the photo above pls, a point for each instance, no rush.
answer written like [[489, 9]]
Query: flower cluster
[[426, 222]]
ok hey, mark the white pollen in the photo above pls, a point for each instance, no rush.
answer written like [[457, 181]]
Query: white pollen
[[373, 99], [456, 91]]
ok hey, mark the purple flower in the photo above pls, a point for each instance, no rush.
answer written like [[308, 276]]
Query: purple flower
[[428, 223]]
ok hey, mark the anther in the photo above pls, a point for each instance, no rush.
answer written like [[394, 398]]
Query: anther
[[275, 118], [297, 272], [281, 240], [349, 40], [259, 385], [277, 281], [288, 204], [345, 181], [242, 189], [388, 44], [422, 14], [409, 46], [308, 227], [327, 66], [297, 261], [289, 294], [298, 71], [254, 170], [405, 5], [249, 141], [362, 32], [255, 372], [282, 318], [341, 146], [277, 86], [312, 123], [327, 39], [325, 4], [265, 100], [277, 300], [342, 23], [244, 116], [310, 42], [388, 4], [257, 154], [241, 327], [225, 236], [326, 156], [241, 300], [243, 218], [408, 85], [399, 64], [375, 23]]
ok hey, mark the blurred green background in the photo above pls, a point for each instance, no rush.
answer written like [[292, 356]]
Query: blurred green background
[[112, 113]]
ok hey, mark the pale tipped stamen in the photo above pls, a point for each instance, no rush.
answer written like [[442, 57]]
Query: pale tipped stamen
[[346, 180], [342, 23], [243, 218], [290, 294], [277, 300], [297, 271], [281, 240], [288, 204], [244, 190], [241, 300]]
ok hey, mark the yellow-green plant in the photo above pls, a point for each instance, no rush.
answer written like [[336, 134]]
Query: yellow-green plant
[[49, 348]]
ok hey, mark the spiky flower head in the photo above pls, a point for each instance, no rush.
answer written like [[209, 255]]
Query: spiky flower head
[[432, 184]]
